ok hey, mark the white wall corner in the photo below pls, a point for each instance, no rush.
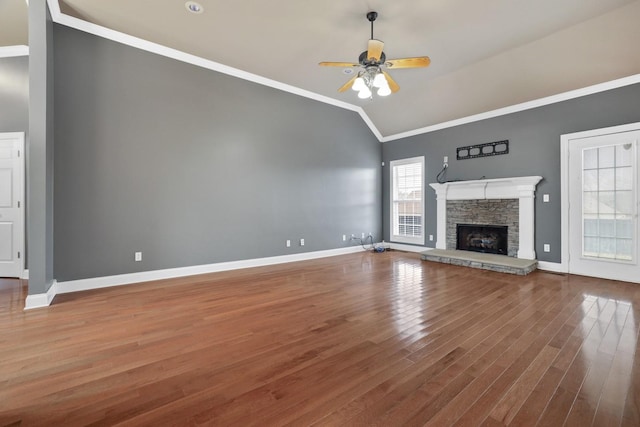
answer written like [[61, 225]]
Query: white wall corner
[[41, 300], [25, 274]]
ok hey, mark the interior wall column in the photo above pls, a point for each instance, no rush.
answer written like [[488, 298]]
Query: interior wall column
[[40, 151]]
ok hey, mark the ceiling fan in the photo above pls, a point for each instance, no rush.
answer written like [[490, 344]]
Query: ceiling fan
[[372, 76]]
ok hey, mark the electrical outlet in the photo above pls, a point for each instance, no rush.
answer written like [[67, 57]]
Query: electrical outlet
[[370, 234], [446, 159], [288, 243], [138, 256], [353, 236], [547, 247], [363, 235], [431, 237], [344, 237], [545, 198], [301, 242]]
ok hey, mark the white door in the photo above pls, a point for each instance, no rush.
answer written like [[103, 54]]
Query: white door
[[11, 204], [603, 206]]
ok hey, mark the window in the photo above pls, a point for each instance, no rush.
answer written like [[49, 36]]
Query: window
[[407, 201]]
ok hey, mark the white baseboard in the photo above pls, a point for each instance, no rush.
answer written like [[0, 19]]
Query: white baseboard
[[409, 248], [554, 267], [41, 300], [44, 299], [146, 276]]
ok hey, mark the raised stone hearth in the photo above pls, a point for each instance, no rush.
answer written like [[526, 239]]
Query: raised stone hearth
[[499, 263]]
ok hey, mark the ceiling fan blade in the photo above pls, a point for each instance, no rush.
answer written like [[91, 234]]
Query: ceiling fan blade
[[420, 61], [392, 83], [348, 84], [338, 64], [374, 49]]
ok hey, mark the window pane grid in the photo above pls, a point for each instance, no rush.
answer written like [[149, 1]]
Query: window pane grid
[[608, 202], [407, 202]]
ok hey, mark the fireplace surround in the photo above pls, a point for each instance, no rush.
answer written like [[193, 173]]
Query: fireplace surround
[[520, 190]]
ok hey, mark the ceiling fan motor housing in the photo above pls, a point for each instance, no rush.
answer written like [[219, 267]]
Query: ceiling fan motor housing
[[364, 60]]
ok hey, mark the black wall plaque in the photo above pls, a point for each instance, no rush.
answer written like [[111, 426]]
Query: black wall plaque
[[483, 150]]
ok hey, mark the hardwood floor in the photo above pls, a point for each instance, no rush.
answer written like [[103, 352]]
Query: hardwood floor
[[357, 340]]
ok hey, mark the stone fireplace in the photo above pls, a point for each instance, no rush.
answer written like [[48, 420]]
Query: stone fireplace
[[503, 202], [492, 212]]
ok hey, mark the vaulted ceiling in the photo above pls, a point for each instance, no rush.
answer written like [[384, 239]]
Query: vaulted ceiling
[[13, 23], [485, 55]]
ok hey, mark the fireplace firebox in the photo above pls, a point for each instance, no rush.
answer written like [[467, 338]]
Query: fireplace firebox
[[490, 239]]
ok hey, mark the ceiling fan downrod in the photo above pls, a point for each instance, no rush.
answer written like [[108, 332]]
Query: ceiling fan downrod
[[371, 16]]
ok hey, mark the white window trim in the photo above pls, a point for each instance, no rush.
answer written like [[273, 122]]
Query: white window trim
[[405, 239]]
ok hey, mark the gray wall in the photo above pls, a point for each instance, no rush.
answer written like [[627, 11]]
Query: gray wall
[[192, 167], [534, 138], [40, 150], [14, 94]]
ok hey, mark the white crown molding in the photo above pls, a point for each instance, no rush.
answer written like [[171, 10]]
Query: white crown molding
[[11, 51], [565, 96], [178, 55], [158, 49]]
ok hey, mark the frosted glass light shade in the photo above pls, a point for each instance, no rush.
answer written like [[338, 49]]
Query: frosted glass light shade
[[364, 93], [384, 91], [379, 80], [358, 85]]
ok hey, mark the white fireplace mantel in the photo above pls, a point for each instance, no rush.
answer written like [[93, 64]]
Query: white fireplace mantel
[[522, 188]]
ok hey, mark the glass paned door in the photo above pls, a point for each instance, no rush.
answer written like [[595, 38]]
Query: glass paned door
[[603, 206]]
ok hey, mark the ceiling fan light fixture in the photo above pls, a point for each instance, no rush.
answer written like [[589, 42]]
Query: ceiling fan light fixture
[[358, 84], [384, 91], [364, 93], [372, 63], [379, 80]]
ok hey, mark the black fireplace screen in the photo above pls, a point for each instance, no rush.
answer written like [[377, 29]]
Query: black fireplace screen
[[482, 238]]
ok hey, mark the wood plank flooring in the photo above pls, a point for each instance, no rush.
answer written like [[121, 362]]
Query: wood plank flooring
[[356, 340]]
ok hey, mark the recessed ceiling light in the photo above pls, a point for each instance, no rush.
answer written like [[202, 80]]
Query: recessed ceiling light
[[194, 7]]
